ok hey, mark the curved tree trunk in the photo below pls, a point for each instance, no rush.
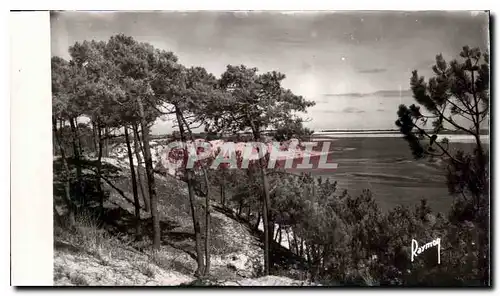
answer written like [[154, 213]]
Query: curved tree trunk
[[137, 204]]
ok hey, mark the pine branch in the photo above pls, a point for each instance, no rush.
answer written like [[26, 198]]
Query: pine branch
[[423, 132]]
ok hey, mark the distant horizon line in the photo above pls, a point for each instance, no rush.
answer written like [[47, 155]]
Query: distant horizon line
[[385, 93], [347, 131]]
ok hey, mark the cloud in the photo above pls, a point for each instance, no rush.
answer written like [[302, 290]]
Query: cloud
[[373, 71]]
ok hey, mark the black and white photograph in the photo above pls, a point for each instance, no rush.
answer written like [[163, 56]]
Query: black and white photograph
[[271, 148]]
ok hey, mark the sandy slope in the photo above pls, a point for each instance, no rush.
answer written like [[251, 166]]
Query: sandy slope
[[117, 260]]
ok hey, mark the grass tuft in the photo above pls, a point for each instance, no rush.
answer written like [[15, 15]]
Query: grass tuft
[[78, 280], [146, 269], [168, 263]]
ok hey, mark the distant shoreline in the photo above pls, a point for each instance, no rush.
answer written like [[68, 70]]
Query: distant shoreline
[[346, 132], [393, 131]]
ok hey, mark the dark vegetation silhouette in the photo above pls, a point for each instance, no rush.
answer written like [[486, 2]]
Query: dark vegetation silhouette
[[457, 98], [123, 86]]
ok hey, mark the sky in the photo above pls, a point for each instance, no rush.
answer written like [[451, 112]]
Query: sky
[[327, 57]]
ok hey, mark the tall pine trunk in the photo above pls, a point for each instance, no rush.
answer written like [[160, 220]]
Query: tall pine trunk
[[99, 168], [137, 204], [277, 233], [249, 211], [78, 138], [137, 150], [258, 220], [314, 261], [483, 193], [74, 138], [150, 176], [289, 239], [301, 249], [76, 153], [61, 122], [94, 136], [308, 256], [266, 201], [223, 192], [65, 174], [138, 134], [296, 241], [196, 223], [207, 226], [326, 249], [265, 215], [106, 142], [272, 229], [206, 272], [240, 207], [280, 235]]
